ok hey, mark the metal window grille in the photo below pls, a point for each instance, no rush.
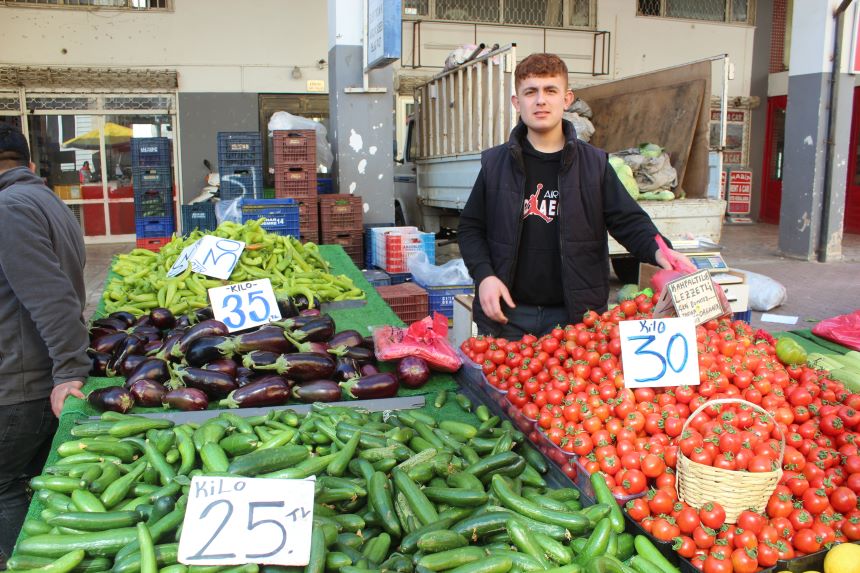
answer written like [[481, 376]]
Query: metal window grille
[[416, 7], [114, 4], [544, 13], [468, 10], [730, 11], [61, 103], [9, 103], [137, 102], [534, 12]]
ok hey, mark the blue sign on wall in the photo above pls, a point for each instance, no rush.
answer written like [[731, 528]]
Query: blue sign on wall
[[383, 32]]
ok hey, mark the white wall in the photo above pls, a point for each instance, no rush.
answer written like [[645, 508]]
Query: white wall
[[215, 45]]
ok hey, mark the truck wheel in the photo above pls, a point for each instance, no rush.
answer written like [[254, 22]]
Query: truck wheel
[[626, 269]]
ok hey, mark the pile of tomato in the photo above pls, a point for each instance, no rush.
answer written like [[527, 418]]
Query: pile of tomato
[[571, 383]]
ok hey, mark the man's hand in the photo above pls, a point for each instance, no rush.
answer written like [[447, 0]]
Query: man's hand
[[490, 291], [664, 262], [63, 391]]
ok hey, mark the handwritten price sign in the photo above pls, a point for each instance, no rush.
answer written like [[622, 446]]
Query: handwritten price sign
[[232, 521], [216, 257], [659, 352], [245, 305]]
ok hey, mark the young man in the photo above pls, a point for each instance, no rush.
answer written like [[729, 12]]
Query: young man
[[533, 232], [43, 337]]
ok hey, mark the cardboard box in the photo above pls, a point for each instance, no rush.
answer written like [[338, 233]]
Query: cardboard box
[[464, 328], [734, 284]]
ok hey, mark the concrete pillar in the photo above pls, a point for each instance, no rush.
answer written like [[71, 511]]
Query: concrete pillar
[[758, 88], [816, 142], [361, 121]]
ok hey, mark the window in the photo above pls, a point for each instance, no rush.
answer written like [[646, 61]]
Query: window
[[543, 13], [114, 4], [728, 11]]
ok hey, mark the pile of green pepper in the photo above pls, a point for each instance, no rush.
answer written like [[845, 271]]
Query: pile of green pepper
[[395, 492], [295, 268]]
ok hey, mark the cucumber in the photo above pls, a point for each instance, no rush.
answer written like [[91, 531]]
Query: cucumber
[[64, 564], [442, 540], [96, 521], [214, 458], [99, 544], [125, 452], [453, 558], [459, 497], [165, 554], [493, 564], [239, 444], [20, 562]]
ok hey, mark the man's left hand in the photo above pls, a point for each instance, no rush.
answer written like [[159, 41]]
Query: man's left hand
[[664, 262], [63, 391]]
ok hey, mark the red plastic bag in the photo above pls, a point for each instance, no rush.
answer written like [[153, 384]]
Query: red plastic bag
[[681, 268], [427, 339], [844, 329]]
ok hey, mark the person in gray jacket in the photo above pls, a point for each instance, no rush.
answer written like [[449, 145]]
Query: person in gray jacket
[[43, 337]]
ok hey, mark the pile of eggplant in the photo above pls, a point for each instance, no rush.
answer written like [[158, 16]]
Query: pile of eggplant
[[191, 361]]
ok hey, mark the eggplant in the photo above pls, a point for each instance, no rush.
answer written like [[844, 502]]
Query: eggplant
[[310, 312], [302, 302], [147, 392], [320, 329], [127, 317], [345, 369], [113, 398], [358, 353], [109, 342], [97, 332], [142, 320], [204, 350], [162, 318], [268, 391], [202, 314], [151, 368], [368, 343], [260, 360], [346, 338], [225, 365], [369, 369], [111, 323], [245, 376], [287, 308], [301, 366], [207, 328], [183, 321], [152, 347], [130, 362], [382, 385], [270, 338], [216, 385], [147, 332], [129, 347], [413, 372], [317, 391], [165, 351], [186, 399], [99, 361]]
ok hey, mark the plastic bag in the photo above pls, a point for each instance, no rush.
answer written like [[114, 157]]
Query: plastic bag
[[580, 107], [452, 273], [284, 121], [765, 293], [584, 127], [427, 339], [652, 173], [843, 329], [463, 54], [230, 210]]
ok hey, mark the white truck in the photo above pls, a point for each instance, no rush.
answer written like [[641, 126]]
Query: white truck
[[461, 112]]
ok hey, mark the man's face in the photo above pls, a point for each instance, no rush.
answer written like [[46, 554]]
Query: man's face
[[541, 101]]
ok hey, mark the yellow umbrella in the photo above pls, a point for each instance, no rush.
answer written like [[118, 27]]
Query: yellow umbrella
[[115, 135]]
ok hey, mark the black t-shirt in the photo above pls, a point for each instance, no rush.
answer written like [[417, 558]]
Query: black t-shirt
[[537, 280]]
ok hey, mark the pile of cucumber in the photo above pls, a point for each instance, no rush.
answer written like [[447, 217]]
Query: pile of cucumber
[[395, 492]]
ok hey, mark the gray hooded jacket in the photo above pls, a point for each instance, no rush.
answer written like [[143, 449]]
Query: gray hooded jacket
[[43, 337]]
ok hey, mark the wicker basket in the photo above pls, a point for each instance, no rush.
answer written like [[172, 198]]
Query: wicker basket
[[697, 484]]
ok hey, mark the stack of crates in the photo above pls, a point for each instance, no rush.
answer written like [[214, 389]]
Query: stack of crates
[[152, 179], [240, 164], [392, 247], [341, 223], [295, 160], [198, 216], [280, 216], [408, 301]]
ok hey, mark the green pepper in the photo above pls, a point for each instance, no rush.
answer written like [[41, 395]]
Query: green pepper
[[789, 351]]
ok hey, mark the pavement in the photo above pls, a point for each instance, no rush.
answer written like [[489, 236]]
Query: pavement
[[815, 291]]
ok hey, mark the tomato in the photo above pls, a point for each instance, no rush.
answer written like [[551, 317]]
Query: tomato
[[744, 560], [664, 530], [652, 466], [751, 521], [712, 515], [704, 539], [843, 500], [662, 502], [744, 539], [718, 561], [851, 526], [638, 508], [800, 519], [780, 503], [806, 541], [815, 500], [767, 554], [687, 520], [761, 463], [634, 481]]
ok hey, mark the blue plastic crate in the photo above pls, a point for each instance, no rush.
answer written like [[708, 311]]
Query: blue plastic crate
[[152, 177], [241, 182], [239, 148], [376, 277], [199, 216], [281, 215], [153, 202], [745, 316], [154, 226], [151, 152], [441, 298], [325, 186]]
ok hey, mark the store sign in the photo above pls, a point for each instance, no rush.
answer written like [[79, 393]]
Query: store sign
[[383, 32], [245, 305], [740, 192], [659, 352], [316, 85], [737, 135], [233, 521]]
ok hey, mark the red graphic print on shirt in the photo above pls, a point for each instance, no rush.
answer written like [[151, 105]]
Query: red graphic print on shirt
[[544, 207]]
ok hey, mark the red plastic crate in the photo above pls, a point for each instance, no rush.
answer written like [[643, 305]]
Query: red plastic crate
[[297, 182], [341, 213], [306, 236], [294, 146], [152, 243], [352, 243], [407, 300]]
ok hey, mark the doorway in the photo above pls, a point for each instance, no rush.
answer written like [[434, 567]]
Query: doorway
[[773, 160]]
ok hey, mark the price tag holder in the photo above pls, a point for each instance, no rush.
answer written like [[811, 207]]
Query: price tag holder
[[233, 521], [693, 295], [216, 257], [183, 260], [659, 352], [245, 305]]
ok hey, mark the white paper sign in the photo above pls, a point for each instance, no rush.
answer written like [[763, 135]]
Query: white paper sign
[[659, 352], [216, 257], [232, 521], [181, 262], [245, 305]]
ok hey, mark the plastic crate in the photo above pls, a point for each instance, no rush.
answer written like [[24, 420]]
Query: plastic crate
[[376, 277], [408, 301], [154, 226], [245, 182], [325, 185], [151, 152], [308, 236], [294, 146], [296, 182], [368, 242], [281, 215], [442, 297], [341, 213], [239, 148], [745, 316], [199, 216], [152, 243], [153, 203], [352, 243], [393, 247], [152, 177]]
